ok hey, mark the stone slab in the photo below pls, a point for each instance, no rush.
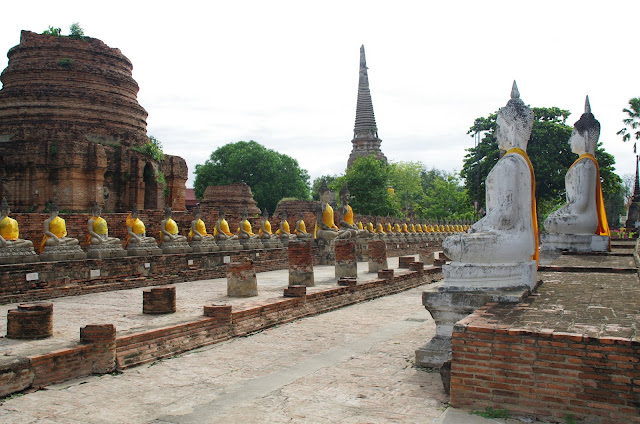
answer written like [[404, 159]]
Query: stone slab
[[62, 253], [464, 276], [102, 251], [18, 255], [175, 247], [550, 242]]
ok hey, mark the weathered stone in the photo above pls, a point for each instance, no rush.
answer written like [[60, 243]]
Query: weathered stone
[[386, 274], [30, 321], [233, 197], [204, 246], [62, 253], [103, 340], [241, 279], [300, 263], [295, 291], [18, 255], [159, 300], [222, 312], [405, 261], [143, 249], [229, 245], [170, 247], [445, 375], [345, 257], [101, 251], [377, 255]]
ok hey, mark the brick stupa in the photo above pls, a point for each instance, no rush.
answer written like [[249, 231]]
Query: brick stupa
[[233, 197], [69, 118], [365, 132]]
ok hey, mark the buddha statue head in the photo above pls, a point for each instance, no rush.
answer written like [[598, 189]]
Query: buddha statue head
[[196, 212], [244, 214], [344, 194], [265, 214], [323, 192], [167, 212], [300, 216], [586, 132], [135, 211], [53, 208], [221, 213], [97, 210], [4, 207], [284, 215], [514, 123]]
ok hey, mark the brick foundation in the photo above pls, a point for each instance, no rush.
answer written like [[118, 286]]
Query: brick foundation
[[102, 338], [417, 266], [300, 263], [404, 261], [377, 255], [241, 279], [345, 258], [295, 291], [220, 312], [385, 274], [30, 321], [159, 300]]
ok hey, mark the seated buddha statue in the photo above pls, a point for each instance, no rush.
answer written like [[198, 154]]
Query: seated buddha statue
[[98, 229], [345, 213], [284, 231], [245, 230], [265, 226], [379, 227], [584, 211], [55, 230], [325, 227], [136, 231], [198, 230], [9, 231], [508, 232], [169, 228], [222, 231], [389, 227], [358, 222], [301, 227], [371, 226]]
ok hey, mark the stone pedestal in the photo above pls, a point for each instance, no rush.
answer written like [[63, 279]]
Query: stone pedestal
[[347, 281], [62, 253], [461, 276], [552, 244], [426, 254], [251, 244], [143, 249], [300, 263], [222, 312], [417, 266], [241, 279], [325, 251], [103, 339], [271, 243], [362, 249], [30, 321], [104, 250], [386, 274], [345, 254], [201, 246], [229, 245], [295, 291], [377, 255], [17, 255], [159, 300], [404, 261], [171, 247]]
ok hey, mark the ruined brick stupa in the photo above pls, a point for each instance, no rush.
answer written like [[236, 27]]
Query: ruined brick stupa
[[69, 118], [365, 132]]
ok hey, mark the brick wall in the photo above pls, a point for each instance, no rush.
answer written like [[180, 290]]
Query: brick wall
[[545, 374]]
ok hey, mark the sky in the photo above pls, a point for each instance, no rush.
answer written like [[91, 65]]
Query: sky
[[285, 73]]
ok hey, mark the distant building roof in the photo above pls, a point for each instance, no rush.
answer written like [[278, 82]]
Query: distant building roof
[[190, 200]]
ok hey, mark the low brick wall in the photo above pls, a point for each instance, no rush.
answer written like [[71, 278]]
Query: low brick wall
[[80, 360], [545, 374]]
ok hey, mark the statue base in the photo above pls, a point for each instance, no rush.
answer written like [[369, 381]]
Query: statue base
[[204, 246], [449, 305], [17, 255], [62, 253], [271, 243], [251, 244], [104, 250], [463, 276], [556, 243], [143, 249], [170, 247], [228, 245]]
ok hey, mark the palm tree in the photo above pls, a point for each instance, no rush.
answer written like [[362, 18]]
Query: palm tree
[[632, 121]]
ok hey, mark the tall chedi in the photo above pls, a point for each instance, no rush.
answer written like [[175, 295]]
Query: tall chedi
[[365, 133]]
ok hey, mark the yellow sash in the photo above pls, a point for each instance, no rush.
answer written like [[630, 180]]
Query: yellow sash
[[370, 227], [389, 228], [200, 227], [603, 224], [348, 217], [100, 225], [284, 226], [380, 229], [534, 212], [246, 225], [58, 227], [9, 230], [137, 226], [327, 219], [398, 228], [303, 227], [360, 226], [171, 227]]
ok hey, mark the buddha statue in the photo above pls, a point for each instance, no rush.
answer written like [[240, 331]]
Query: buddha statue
[[584, 213], [137, 242], [13, 249], [98, 229], [371, 226], [169, 229], [222, 231], [265, 226], [508, 232], [325, 228], [388, 225], [55, 245], [200, 240], [345, 212], [301, 228], [245, 231], [284, 232], [9, 231], [358, 222], [379, 227]]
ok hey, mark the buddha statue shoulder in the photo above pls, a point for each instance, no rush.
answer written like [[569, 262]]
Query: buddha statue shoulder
[[9, 230], [584, 211], [508, 232]]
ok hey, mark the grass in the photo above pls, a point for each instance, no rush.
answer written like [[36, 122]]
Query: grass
[[489, 412]]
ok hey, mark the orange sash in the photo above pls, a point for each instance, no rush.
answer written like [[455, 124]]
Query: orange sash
[[534, 212], [603, 224]]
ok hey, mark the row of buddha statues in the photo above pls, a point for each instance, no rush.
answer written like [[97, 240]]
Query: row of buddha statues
[[56, 244]]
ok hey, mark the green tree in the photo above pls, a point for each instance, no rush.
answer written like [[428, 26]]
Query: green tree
[[550, 154], [315, 186], [76, 31], [404, 177], [52, 31], [632, 121], [367, 179], [445, 197], [271, 175]]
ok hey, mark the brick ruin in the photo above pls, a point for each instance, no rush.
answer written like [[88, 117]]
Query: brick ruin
[[69, 124]]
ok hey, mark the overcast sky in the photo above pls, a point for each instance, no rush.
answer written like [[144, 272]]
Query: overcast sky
[[285, 74]]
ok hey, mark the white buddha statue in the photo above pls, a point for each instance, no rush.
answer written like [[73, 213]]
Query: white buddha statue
[[584, 211], [508, 232]]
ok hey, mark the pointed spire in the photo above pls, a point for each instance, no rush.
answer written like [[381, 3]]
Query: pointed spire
[[636, 188], [365, 119], [587, 105], [515, 94]]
